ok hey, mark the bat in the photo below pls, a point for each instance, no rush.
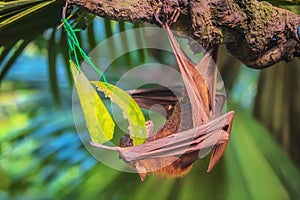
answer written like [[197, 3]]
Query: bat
[[194, 126]]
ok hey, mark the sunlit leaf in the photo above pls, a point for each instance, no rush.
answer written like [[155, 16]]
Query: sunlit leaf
[[131, 110], [98, 120]]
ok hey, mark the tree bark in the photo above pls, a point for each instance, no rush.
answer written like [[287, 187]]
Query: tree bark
[[256, 33]]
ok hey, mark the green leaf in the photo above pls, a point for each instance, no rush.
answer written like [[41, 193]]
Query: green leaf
[[248, 167], [131, 110], [279, 163], [98, 120], [5, 180]]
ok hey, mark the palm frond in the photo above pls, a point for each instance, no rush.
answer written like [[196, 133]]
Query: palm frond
[[12, 11], [22, 22], [52, 55], [17, 50]]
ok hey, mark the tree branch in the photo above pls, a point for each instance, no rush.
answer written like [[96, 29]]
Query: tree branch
[[256, 33]]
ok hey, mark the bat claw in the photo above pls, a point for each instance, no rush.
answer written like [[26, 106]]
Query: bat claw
[[216, 155], [219, 149], [141, 171]]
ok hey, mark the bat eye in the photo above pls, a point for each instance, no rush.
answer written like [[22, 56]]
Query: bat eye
[[274, 39], [273, 42]]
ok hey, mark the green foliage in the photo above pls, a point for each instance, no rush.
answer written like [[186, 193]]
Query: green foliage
[[98, 120], [247, 153], [131, 110], [21, 22], [12, 11], [43, 158], [292, 5], [37, 152], [274, 162], [284, 2]]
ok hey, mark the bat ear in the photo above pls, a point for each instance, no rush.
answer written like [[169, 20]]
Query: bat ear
[[163, 96], [149, 128]]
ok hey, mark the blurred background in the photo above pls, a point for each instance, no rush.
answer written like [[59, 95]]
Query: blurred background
[[42, 157]]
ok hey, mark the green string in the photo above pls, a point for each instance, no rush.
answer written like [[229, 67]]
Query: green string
[[73, 43]]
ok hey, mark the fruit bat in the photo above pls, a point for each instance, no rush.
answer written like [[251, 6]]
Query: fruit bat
[[194, 125]]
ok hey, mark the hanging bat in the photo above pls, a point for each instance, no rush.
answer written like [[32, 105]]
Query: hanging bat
[[194, 126]]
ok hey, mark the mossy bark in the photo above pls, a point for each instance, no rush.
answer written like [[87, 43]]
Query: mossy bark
[[256, 33]]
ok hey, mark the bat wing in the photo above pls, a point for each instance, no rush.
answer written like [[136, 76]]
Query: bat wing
[[200, 82], [208, 69], [196, 139], [195, 85], [219, 103], [163, 96]]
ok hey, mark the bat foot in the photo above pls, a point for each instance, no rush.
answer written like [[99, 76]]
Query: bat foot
[[169, 16]]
